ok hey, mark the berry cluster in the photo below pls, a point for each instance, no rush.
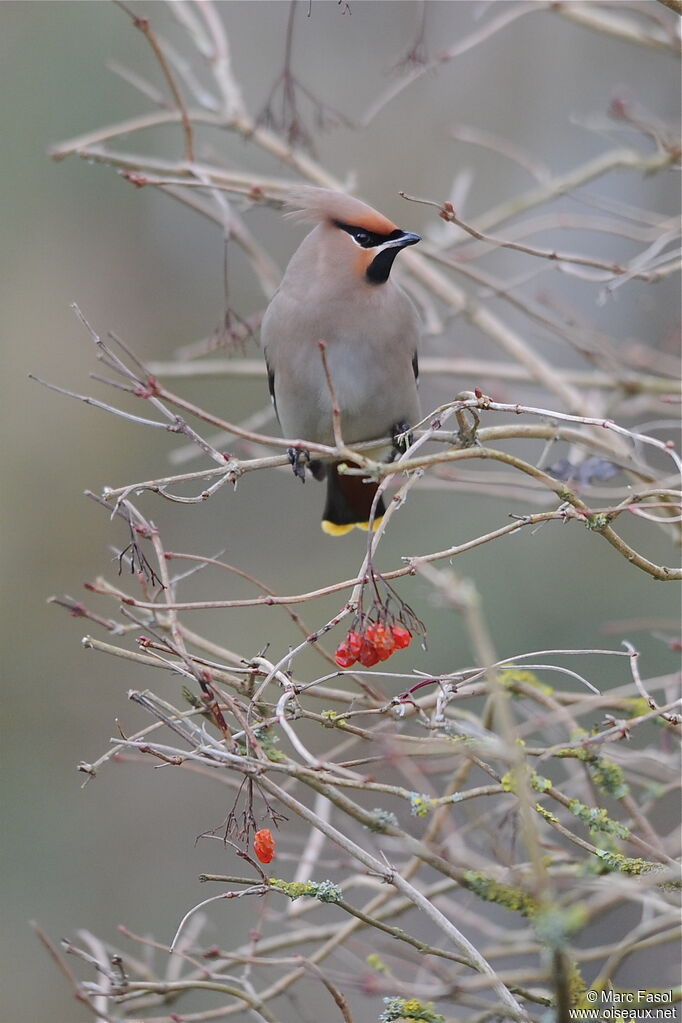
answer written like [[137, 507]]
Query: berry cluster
[[383, 623], [371, 643]]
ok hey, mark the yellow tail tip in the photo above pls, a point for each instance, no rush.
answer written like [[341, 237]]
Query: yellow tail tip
[[333, 529]]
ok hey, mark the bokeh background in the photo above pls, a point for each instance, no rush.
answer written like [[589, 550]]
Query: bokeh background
[[122, 850]]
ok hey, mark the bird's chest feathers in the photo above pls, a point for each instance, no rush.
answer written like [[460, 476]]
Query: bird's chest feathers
[[358, 332], [356, 367], [366, 348]]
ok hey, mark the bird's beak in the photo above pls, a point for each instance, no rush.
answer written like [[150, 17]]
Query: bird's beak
[[401, 242], [379, 269]]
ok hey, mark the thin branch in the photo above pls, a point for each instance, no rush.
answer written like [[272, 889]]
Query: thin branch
[[144, 26], [622, 27], [446, 211], [633, 655], [630, 383]]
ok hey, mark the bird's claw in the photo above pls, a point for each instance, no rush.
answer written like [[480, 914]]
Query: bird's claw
[[468, 430], [299, 458], [402, 438]]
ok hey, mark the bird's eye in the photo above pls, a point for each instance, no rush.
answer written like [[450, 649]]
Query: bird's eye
[[365, 239]]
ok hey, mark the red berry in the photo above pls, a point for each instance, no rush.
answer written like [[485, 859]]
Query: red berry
[[354, 642], [402, 637], [383, 639], [368, 653], [264, 845], [344, 656]]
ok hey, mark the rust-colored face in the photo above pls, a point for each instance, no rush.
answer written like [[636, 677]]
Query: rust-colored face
[[376, 251], [366, 239]]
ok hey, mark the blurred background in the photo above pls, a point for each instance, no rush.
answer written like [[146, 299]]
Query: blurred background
[[122, 850]]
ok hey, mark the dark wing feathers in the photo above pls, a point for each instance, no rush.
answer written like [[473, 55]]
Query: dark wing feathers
[[271, 384]]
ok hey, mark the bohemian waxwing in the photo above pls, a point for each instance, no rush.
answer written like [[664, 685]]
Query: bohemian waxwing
[[337, 289]]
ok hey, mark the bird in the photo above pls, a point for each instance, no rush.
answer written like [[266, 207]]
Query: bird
[[337, 289]]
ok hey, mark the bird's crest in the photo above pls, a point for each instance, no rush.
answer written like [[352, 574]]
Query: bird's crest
[[322, 204]]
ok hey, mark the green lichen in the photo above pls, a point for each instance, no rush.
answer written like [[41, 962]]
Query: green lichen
[[575, 983], [609, 777], [535, 780], [323, 891], [579, 753], [376, 963], [512, 898], [597, 820], [615, 861], [268, 741], [381, 820], [539, 783], [327, 891], [450, 729], [507, 782], [636, 706], [409, 1009], [294, 889], [332, 719], [555, 927], [597, 523], [547, 814], [512, 676], [420, 805]]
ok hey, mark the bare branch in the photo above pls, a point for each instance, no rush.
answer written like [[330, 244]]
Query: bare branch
[[144, 26]]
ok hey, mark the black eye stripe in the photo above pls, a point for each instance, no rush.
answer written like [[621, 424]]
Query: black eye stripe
[[367, 239]]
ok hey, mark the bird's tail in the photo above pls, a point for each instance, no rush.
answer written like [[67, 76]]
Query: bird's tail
[[349, 503]]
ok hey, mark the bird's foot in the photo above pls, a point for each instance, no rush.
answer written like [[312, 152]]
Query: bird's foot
[[401, 435], [468, 421], [299, 458]]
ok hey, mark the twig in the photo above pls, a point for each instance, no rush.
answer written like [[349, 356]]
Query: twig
[[633, 655], [446, 211], [144, 26], [336, 409]]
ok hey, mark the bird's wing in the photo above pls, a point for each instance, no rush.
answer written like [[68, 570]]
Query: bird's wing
[[271, 384]]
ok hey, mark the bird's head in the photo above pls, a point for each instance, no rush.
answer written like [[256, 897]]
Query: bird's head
[[353, 237]]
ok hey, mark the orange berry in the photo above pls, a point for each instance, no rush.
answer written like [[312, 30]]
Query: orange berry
[[354, 641], [401, 636], [264, 845], [344, 657], [368, 653], [383, 639]]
